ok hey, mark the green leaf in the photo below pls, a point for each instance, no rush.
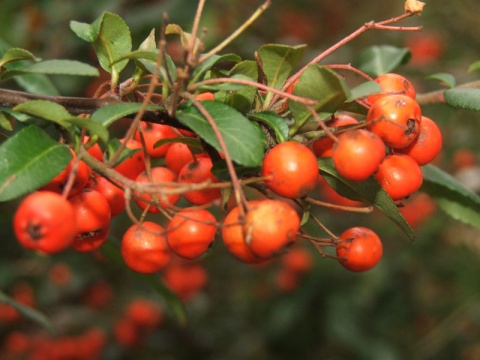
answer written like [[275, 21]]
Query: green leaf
[[447, 79], [5, 122], [112, 148], [277, 63], [454, 198], [15, 54], [192, 143], [111, 251], [110, 37], [93, 127], [474, 67], [244, 141], [368, 190], [321, 84], [273, 121], [377, 60], [33, 83], [46, 110], [363, 90], [54, 67], [468, 99], [227, 86], [221, 172], [242, 99], [28, 312], [29, 160], [108, 114], [201, 70]]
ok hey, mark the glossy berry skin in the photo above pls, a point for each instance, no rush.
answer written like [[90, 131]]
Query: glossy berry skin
[[178, 155], [191, 232], [234, 238], [135, 164], [392, 84], [114, 195], [292, 170], [160, 174], [396, 119], [359, 249], [45, 222], [144, 249], [196, 172], [399, 175], [357, 154], [153, 133], [324, 147], [57, 184], [425, 148], [268, 228], [92, 212]]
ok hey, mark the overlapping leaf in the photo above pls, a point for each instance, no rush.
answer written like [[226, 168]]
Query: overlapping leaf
[[28, 160], [368, 190], [243, 139]]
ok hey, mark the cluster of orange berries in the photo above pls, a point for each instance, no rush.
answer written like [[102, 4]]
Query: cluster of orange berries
[[391, 145]]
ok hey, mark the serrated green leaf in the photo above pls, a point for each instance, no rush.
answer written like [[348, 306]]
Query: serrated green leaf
[[382, 59], [110, 37], [321, 84], [363, 90], [16, 54], [445, 78], [274, 121], [46, 110], [368, 190], [243, 139], [28, 312], [54, 67], [111, 251], [468, 99], [29, 160], [277, 63], [454, 198], [474, 67]]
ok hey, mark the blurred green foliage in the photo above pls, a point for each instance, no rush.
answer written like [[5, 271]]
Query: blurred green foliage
[[421, 302]]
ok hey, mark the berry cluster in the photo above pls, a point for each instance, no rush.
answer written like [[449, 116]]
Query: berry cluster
[[76, 207]]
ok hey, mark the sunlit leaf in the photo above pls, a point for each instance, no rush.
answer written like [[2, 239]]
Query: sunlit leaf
[[54, 67], [363, 90], [321, 84], [15, 54], [29, 160], [46, 110], [277, 63], [447, 79], [468, 99], [110, 37]]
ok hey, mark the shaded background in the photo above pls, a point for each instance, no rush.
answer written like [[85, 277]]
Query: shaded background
[[421, 302]]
